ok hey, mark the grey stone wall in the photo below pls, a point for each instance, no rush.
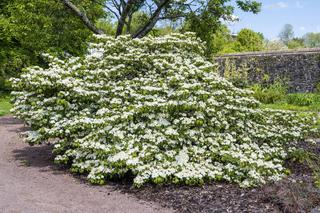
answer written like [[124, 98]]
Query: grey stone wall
[[300, 70]]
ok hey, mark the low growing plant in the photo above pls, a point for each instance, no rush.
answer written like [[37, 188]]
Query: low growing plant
[[310, 159], [271, 94], [5, 105], [156, 109], [303, 99]]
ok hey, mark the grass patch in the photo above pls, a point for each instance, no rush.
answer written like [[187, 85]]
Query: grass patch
[[275, 96], [5, 104], [285, 106], [271, 94]]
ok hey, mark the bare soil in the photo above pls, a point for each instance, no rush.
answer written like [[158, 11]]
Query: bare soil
[[30, 182]]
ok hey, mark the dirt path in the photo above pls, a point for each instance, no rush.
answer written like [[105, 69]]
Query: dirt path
[[29, 182]]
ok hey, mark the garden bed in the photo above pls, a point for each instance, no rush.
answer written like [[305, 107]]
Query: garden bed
[[296, 193]]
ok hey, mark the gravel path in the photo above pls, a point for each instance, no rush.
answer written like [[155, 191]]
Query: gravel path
[[29, 182]]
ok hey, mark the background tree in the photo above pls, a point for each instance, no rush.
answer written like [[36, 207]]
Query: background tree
[[208, 19], [286, 33], [221, 40], [202, 15], [296, 43], [245, 41], [272, 45], [31, 27], [248, 41], [312, 40]]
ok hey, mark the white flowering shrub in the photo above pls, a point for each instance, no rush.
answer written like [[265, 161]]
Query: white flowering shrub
[[153, 108]]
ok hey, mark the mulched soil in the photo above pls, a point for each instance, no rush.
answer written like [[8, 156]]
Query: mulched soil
[[293, 194], [296, 193]]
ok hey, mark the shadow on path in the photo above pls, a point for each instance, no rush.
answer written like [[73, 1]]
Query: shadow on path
[[40, 157], [9, 120]]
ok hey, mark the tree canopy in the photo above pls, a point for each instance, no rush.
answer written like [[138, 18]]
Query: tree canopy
[[204, 17], [201, 14], [312, 40], [248, 40], [286, 33], [31, 27]]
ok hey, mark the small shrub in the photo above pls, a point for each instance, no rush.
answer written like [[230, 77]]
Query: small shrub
[[317, 89], [5, 105], [271, 94], [303, 99], [154, 108], [310, 159]]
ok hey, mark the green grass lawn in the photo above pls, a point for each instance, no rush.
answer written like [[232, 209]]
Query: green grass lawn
[[5, 105], [301, 102]]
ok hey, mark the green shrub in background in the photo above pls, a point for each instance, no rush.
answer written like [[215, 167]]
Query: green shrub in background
[[271, 94], [5, 105], [303, 99], [317, 90], [31, 27]]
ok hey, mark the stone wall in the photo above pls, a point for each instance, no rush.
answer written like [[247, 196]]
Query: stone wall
[[300, 70]]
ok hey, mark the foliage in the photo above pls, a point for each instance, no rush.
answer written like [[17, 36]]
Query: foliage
[[30, 27], [206, 21], [303, 99], [106, 26], [298, 102], [312, 40], [221, 40], [154, 108], [5, 105], [138, 19], [296, 43], [270, 94], [275, 96], [317, 89], [164, 30], [206, 15], [308, 158], [274, 45], [248, 41], [286, 33]]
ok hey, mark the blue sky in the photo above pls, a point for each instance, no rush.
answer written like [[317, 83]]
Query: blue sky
[[304, 15]]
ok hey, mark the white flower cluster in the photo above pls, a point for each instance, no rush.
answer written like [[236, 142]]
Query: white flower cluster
[[156, 109]]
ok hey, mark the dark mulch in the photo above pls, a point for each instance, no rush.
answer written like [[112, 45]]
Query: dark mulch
[[296, 193]]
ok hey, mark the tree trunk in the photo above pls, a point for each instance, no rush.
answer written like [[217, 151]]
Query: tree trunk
[[124, 15], [152, 21], [82, 16], [129, 24]]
